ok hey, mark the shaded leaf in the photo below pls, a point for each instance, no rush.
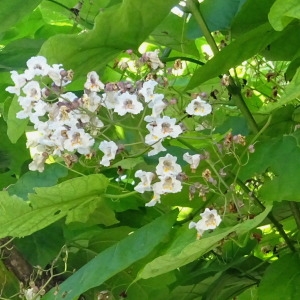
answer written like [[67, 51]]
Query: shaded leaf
[[281, 279], [116, 258]]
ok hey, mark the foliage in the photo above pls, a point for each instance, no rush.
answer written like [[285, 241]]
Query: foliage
[[122, 121]]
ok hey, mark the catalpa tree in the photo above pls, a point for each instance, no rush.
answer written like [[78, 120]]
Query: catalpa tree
[[149, 149]]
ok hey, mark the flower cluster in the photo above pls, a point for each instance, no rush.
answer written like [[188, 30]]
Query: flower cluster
[[210, 220], [167, 171], [68, 125]]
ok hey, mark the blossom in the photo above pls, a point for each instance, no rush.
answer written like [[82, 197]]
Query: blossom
[[37, 65], [198, 107], [210, 220], [93, 83], [31, 294], [128, 103], [155, 199], [193, 160], [167, 184], [146, 179], [78, 140], [167, 165], [109, 149], [165, 127], [152, 57], [19, 81]]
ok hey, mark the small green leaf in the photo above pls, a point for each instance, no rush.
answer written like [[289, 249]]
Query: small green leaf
[[116, 258], [284, 12], [281, 279], [15, 127]]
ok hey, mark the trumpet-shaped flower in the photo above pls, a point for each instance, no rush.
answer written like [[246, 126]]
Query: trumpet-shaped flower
[[109, 149], [167, 184], [167, 166], [19, 81], [193, 160], [198, 107], [146, 179], [128, 103], [93, 83], [210, 220]]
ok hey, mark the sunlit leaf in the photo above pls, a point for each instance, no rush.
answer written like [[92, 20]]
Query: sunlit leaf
[[19, 218]]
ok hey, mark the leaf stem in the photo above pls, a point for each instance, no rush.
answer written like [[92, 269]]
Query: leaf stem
[[119, 196], [196, 12]]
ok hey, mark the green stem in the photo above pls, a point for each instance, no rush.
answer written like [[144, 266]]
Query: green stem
[[296, 212], [173, 58], [196, 12], [238, 99]]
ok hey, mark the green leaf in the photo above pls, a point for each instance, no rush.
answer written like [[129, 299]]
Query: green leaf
[[234, 54], [98, 46], [15, 127], [19, 218], [31, 180], [245, 21], [186, 248], [16, 153], [279, 156], [116, 258], [284, 12], [281, 279], [12, 12], [218, 15]]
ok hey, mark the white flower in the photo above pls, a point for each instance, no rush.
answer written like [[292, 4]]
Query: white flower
[[109, 149], [155, 199], [198, 107], [167, 184], [91, 101], [78, 140], [193, 160], [110, 99], [32, 90], [31, 294], [152, 56], [19, 81], [37, 65], [128, 103], [146, 179], [165, 127], [93, 83], [167, 166], [155, 142], [55, 74], [210, 220]]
